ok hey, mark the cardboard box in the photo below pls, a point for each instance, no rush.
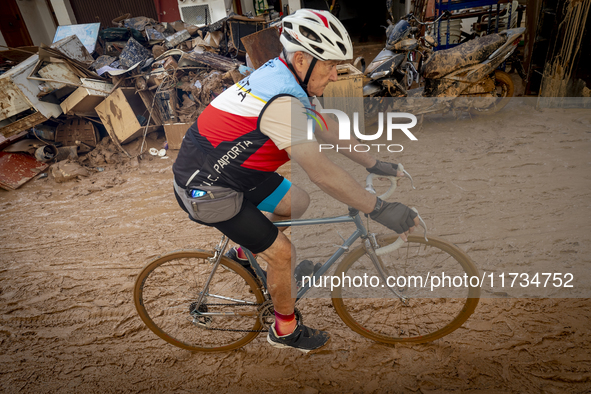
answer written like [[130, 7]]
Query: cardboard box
[[175, 133], [119, 113], [83, 101]]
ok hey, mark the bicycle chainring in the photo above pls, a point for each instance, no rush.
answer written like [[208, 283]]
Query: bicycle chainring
[[202, 321]]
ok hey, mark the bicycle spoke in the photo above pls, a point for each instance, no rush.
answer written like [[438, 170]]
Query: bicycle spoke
[[170, 287], [424, 314]]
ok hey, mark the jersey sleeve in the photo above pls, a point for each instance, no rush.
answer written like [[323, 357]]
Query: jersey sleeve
[[285, 122]]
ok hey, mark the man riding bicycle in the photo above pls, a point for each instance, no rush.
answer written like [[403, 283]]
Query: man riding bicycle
[[225, 171]]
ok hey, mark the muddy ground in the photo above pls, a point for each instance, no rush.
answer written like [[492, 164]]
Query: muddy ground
[[511, 190]]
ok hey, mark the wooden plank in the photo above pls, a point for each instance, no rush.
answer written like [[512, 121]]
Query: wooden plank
[[212, 60], [23, 124], [175, 133], [262, 46], [18, 55]]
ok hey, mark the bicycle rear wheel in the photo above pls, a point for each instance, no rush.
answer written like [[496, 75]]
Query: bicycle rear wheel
[[167, 290], [430, 313]]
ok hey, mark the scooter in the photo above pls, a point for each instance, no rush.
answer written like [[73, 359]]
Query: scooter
[[468, 70]]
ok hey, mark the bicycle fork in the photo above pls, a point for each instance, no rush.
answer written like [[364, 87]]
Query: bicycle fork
[[370, 247]]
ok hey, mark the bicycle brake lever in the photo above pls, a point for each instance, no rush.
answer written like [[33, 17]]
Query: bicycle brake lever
[[422, 222], [401, 168], [409, 177]]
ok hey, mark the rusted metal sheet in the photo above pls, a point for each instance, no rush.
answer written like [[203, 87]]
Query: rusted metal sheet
[[18, 168], [105, 11], [23, 124], [262, 46]]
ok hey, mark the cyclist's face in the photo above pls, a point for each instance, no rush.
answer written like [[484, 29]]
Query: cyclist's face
[[323, 73]]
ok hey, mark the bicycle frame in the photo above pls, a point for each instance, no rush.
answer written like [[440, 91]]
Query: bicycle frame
[[370, 243], [360, 231]]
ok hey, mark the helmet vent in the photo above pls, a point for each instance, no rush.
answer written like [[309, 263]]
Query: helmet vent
[[291, 39], [334, 28], [343, 49], [319, 50], [326, 38], [288, 25], [308, 33]]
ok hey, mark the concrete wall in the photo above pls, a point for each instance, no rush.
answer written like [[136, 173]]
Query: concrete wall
[[247, 6], [38, 20], [63, 12], [2, 41]]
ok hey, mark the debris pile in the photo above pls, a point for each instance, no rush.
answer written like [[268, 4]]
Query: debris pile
[[95, 97]]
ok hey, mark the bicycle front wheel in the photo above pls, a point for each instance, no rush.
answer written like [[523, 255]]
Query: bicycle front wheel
[[166, 294], [420, 311]]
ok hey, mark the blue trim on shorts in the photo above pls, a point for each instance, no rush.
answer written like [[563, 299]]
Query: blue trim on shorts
[[270, 203]]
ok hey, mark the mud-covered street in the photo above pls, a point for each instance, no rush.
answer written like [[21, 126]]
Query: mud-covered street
[[511, 190]]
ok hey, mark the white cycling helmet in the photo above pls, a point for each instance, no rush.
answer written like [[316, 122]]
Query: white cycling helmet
[[318, 33]]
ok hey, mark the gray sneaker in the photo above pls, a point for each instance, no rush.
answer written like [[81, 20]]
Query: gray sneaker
[[303, 338]]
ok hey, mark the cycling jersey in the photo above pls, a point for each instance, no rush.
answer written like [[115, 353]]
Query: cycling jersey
[[227, 145]]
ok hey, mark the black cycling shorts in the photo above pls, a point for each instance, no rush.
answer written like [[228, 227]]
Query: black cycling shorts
[[250, 228]]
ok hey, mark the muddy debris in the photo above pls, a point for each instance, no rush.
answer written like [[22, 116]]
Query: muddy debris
[[149, 73], [67, 170]]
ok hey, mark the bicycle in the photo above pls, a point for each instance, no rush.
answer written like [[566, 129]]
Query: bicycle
[[202, 301]]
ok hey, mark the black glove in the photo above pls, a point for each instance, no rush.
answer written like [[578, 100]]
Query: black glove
[[394, 215], [383, 168]]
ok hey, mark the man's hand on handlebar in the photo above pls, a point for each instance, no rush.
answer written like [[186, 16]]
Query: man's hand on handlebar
[[385, 169], [396, 216]]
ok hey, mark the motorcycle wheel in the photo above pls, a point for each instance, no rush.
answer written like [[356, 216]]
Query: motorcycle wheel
[[504, 89]]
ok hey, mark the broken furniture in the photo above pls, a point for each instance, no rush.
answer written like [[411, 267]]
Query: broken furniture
[[22, 109], [18, 168], [84, 99], [125, 115], [175, 133], [242, 26], [77, 132], [346, 93], [262, 46]]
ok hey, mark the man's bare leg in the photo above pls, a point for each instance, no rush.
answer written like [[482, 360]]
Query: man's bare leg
[[279, 256], [279, 277]]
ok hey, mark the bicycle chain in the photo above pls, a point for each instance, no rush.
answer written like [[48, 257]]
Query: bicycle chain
[[231, 329]]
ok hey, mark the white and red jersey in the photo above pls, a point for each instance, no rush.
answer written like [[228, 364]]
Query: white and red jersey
[[226, 146]]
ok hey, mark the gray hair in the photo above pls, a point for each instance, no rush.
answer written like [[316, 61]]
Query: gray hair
[[288, 56]]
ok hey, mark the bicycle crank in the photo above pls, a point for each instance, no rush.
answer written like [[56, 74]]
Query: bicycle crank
[[267, 314]]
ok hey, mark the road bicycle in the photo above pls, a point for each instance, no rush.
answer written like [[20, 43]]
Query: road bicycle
[[201, 300]]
